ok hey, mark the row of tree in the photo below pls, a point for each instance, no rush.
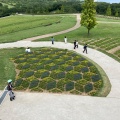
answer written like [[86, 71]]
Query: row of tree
[[55, 6]]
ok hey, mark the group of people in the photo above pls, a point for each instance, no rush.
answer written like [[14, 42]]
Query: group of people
[[75, 44]]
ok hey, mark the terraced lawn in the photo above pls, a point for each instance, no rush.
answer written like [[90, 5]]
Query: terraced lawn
[[19, 27]]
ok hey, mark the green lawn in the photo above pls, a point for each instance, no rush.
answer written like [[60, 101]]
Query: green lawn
[[16, 28], [7, 69]]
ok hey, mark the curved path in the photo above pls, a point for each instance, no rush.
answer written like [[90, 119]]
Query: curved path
[[45, 106]]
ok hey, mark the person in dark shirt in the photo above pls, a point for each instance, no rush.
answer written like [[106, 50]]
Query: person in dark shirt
[[74, 44], [11, 94], [85, 48]]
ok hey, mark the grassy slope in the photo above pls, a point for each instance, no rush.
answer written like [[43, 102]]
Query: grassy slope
[[66, 22], [7, 70]]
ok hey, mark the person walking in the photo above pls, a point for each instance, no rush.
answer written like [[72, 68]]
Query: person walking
[[74, 44], [85, 48], [65, 39], [9, 88], [52, 39]]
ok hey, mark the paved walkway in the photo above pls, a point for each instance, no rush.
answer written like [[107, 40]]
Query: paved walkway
[[44, 106]]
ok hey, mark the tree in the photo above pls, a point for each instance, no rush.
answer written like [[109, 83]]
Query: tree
[[88, 19], [116, 13], [108, 11]]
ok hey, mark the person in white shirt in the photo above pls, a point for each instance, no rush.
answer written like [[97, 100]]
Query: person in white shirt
[[65, 39], [76, 44], [27, 50]]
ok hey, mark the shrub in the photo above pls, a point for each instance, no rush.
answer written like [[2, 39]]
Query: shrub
[[19, 66], [93, 69], [26, 66], [88, 87], [25, 84], [79, 87], [61, 84], [43, 83], [37, 89], [92, 93], [34, 84], [28, 74], [90, 64], [31, 78], [75, 92], [70, 75], [69, 68], [51, 85], [54, 67], [37, 74], [61, 75], [88, 76], [77, 76], [98, 85], [69, 86], [82, 59], [75, 63], [55, 90], [82, 82], [40, 67], [45, 74], [84, 69], [78, 68], [95, 78], [53, 74], [18, 82], [84, 63]]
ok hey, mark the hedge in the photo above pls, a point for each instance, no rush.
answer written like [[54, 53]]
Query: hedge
[[18, 82], [69, 86], [34, 84], [88, 87], [51, 85]]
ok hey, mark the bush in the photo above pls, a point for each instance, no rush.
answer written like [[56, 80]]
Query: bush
[[95, 78], [69, 86], [40, 67], [70, 75], [34, 84], [51, 85], [53, 74], [55, 90], [26, 66], [45, 74], [18, 82], [78, 68], [88, 76], [28, 74], [37, 89], [79, 86], [69, 68], [37, 74], [84, 69], [75, 92], [43, 83], [75, 63], [84, 63], [77, 76], [61, 84], [31, 78], [61, 75], [25, 84], [93, 69], [88, 87], [54, 67], [98, 85]]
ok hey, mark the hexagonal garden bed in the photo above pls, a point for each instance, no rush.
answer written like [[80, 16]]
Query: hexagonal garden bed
[[56, 70]]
